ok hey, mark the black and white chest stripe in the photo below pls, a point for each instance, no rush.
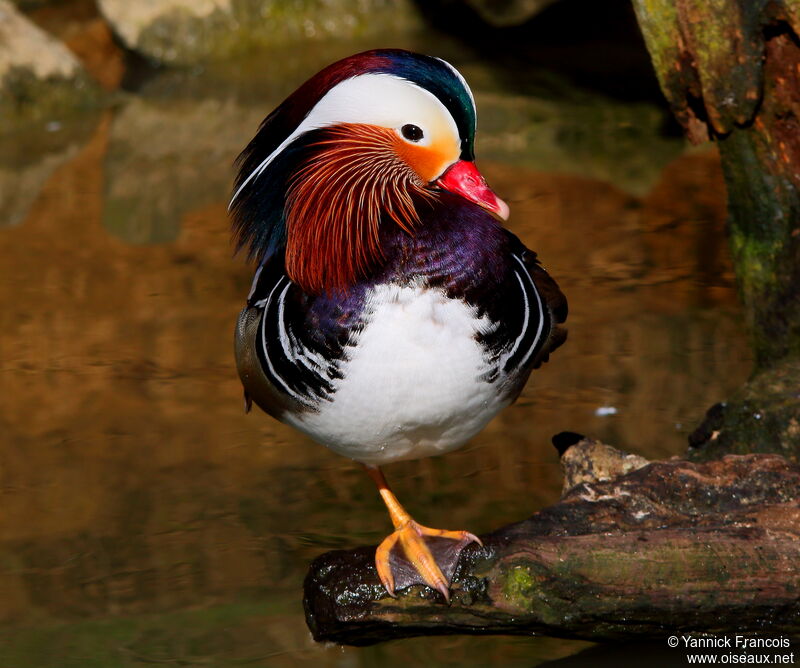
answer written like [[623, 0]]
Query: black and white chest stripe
[[292, 364], [535, 326]]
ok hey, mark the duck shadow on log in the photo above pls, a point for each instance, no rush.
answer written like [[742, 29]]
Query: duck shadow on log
[[632, 550]]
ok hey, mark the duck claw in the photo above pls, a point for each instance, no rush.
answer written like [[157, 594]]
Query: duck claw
[[415, 554]]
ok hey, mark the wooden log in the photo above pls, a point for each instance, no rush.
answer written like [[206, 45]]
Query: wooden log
[[633, 549]]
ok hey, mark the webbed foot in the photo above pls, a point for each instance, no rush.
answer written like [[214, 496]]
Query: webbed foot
[[415, 554]]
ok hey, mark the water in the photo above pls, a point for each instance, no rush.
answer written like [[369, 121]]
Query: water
[[147, 519]]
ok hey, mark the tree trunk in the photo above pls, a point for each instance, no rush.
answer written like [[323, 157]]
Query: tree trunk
[[730, 70]]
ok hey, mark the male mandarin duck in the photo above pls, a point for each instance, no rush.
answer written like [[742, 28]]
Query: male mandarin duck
[[391, 315]]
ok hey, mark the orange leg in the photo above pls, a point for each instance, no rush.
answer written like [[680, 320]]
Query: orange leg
[[409, 535]]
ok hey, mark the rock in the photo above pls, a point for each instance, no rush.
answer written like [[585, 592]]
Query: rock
[[189, 31], [39, 76], [504, 13], [79, 26], [596, 462]]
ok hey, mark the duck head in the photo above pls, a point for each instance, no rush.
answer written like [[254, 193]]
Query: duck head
[[365, 142]]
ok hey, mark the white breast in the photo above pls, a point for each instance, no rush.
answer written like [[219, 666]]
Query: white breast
[[413, 385]]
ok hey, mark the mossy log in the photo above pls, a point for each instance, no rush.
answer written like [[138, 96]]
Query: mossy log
[[632, 550], [730, 70], [761, 416]]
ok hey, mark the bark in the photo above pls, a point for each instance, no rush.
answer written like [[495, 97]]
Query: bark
[[632, 550], [730, 70], [762, 416]]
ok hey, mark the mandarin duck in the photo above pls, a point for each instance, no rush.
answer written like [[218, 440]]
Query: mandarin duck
[[391, 315]]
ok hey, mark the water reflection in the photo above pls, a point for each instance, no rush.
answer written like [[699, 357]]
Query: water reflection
[[147, 519]]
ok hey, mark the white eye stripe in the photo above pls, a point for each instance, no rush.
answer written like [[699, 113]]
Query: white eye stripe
[[376, 99]]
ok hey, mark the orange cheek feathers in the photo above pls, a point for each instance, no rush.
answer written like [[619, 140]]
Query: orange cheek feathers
[[428, 162], [351, 181]]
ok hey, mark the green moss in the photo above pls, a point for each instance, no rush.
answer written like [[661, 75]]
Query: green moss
[[181, 37], [546, 591], [755, 259], [763, 416], [518, 586], [721, 40], [763, 210], [658, 20]]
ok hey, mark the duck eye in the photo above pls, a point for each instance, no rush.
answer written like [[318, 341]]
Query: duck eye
[[412, 132]]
